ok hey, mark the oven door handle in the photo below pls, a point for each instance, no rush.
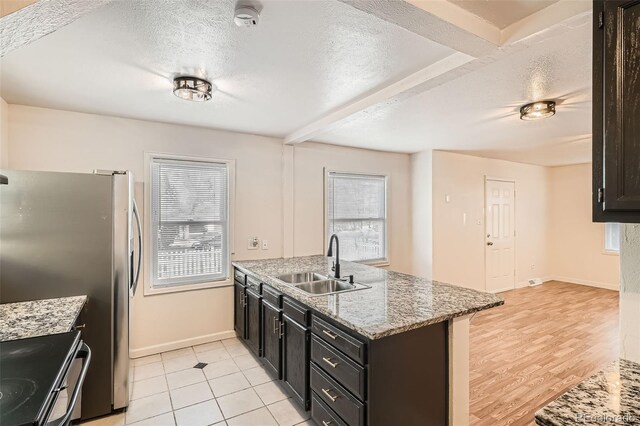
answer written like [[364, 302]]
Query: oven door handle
[[83, 353]]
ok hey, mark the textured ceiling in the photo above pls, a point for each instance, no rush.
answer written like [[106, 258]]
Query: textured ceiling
[[503, 13], [478, 112], [303, 60]]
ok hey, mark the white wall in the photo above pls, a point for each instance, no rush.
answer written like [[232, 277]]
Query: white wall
[[422, 217], [271, 193], [577, 244], [630, 294]]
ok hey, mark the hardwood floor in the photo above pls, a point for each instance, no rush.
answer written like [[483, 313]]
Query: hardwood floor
[[541, 342]]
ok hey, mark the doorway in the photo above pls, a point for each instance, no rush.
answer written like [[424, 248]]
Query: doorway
[[500, 235]]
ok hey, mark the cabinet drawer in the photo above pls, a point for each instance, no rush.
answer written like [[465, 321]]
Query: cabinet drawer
[[272, 296], [254, 284], [296, 312], [240, 277], [336, 397], [348, 373], [322, 414], [339, 339]]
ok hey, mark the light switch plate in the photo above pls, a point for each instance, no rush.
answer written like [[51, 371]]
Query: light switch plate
[[265, 245]]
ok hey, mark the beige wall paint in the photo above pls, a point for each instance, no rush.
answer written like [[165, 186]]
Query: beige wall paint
[[630, 294], [458, 226], [275, 186], [422, 218], [10, 6], [4, 133], [577, 244], [308, 188]]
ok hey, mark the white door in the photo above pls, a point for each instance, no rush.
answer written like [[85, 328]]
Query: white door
[[500, 235]]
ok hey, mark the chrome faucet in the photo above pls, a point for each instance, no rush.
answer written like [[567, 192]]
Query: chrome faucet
[[336, 264]]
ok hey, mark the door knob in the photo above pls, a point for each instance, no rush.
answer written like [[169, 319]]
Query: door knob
[[489, 243]]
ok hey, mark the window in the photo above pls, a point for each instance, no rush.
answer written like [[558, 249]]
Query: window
[[189, 222], [357, 213], [612, 237]]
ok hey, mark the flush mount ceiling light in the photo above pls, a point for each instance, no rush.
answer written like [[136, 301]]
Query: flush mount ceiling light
[[537, 110], [192, 89]]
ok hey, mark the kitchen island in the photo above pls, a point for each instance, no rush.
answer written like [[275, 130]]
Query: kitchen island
[[35, 318], [395, 351]]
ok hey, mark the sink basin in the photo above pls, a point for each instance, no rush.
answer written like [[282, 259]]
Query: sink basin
[[325, 287], [301, 277], [318, 285]]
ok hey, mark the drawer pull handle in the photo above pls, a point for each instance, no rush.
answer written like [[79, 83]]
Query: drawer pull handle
[[330, 335], [328, 361], [325, 423], [331, 397]]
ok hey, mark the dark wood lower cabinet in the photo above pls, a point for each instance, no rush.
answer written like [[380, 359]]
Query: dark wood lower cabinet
[[239, 313], [296, 360], [272, 339], [343, 378], [254, 321]]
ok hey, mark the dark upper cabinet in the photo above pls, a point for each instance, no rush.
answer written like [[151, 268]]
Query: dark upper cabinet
[[239, 317], [616, 111], [254, 322], [296, 361], [272, 339]]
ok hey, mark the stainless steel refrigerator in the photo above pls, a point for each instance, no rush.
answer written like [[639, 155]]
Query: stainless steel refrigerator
[[68, 234]]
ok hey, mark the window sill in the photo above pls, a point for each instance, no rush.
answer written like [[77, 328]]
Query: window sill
[[375, 263], [148, 291], [611, 253]]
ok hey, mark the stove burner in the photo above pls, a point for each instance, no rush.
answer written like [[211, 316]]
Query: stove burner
[[15, 392]]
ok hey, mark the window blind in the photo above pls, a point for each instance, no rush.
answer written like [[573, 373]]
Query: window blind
[[189, 221], [357, 213]]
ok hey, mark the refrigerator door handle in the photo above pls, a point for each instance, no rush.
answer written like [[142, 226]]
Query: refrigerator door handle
[[136, 214]]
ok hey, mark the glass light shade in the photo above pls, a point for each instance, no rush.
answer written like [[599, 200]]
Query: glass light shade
[[537, 110], [192, 89]]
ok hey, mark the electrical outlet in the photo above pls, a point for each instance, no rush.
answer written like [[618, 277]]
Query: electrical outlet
[[533, 266], [265, 245], [253, 243]]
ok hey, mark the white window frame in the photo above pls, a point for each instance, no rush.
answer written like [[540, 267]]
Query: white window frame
[[605, 249], [386, 261], [148, 232]]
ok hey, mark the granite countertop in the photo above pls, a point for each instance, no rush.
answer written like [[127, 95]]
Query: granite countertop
[[395, 303], [39, 317], [610, 397]]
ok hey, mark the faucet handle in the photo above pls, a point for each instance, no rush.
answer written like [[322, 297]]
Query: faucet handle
[[351, 279], [333, 267]]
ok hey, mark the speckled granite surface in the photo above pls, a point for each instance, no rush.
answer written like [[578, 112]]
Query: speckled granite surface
[[610, 397], [395, 303], [39, 317]]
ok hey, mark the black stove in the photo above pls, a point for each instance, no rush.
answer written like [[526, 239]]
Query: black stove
[[32, 373]]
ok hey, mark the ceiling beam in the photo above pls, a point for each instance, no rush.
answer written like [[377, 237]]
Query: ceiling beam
[[418, 78], [563, 13], [40, 18], [437, 20]]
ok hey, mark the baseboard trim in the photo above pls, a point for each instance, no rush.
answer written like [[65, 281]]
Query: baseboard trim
[[607, 286], [179, 344]]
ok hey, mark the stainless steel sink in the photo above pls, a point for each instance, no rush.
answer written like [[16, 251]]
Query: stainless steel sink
[[315, 284], [325, 287], [301, 277]]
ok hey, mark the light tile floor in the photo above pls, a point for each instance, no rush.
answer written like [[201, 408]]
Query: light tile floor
[[233, 390]]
